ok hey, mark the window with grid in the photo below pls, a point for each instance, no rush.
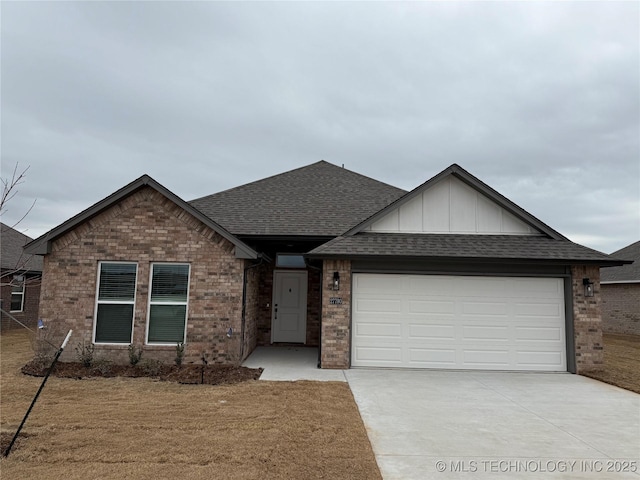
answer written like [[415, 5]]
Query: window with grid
[[17, 293], [115, 302], [168, 303]]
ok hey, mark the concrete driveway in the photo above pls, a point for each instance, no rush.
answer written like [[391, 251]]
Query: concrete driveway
[[441, 425]]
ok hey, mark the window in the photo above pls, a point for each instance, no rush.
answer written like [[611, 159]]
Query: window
[[17, 293], [115, 302], [289, 260], [168, 303]]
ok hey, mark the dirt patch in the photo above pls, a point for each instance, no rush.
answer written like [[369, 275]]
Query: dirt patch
[[147, 429], [621, 362], [186, 374]]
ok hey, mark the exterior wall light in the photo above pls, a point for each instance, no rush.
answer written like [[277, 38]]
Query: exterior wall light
[[336, 281], [588, 287]]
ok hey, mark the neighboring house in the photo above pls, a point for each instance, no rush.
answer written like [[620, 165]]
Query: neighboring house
[[20, 279], [621, 293], [449, 275]]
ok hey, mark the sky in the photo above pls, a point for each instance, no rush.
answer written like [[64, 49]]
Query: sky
[[540, 100]]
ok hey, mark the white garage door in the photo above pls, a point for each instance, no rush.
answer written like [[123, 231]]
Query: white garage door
[[474, 322]]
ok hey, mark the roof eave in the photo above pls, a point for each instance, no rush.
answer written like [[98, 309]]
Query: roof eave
[[539, 261]]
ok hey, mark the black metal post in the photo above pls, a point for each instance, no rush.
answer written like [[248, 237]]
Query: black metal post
[[46, 377]]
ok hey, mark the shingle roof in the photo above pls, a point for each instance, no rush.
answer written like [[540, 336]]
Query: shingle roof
[[13, 257], [455, 246], [320, 199], [625, 273]]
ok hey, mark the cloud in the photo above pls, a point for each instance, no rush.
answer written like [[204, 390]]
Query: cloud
[[540, 100]]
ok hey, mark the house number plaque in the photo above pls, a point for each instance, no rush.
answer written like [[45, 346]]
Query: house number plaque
[[335, 301]]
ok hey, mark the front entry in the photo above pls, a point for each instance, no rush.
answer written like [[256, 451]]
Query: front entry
[[289, 312]]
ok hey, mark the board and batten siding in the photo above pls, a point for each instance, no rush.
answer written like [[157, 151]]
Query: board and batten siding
[[451, 206]]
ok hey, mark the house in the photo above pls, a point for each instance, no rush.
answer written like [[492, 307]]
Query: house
[[621, 293], [449, 275], [20, 276]]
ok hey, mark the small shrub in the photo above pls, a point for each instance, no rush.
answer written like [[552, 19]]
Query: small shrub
[[179, 353], [84, 352], [102, 366], [135, 354], [151, 367]]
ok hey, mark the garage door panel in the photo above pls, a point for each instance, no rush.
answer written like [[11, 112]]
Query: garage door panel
[[431, 331], [431, 306], [540, 334], [485, 333], [489, 358], [428, 321], [371, 356], [539, 360], [484, 308], [426, 285], [527, 287], [432, 358], [540, 309], [377, 305], [378, 329]]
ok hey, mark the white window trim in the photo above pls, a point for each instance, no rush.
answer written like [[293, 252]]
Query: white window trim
[[21, 296], [149, 303], [95, 311]]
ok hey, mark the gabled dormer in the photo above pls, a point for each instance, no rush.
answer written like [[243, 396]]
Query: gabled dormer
[[455, 202]]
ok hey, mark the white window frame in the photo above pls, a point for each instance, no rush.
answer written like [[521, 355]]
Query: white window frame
[[98, 302], [21, 293], [186, 303]]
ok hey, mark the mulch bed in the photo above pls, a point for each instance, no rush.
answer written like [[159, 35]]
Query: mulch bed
[[187, 374]]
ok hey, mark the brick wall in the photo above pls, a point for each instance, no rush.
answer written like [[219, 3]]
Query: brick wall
[[621, 308], [251, 309], [29, 314], [336, 319], [146, 227], [587, 320], [314, 295]]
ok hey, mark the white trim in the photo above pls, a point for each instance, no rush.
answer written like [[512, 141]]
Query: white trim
[[149, 303], [97, 302], [619, 282], [23, 282]]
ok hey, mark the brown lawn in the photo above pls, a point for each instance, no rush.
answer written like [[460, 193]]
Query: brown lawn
[[147, 429], [621, 362]]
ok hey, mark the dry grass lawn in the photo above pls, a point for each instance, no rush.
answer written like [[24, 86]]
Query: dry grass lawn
[[621, 362], [146, 429]]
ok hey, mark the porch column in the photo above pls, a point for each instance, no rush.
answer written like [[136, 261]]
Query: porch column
[[587, 321], [336, 314]]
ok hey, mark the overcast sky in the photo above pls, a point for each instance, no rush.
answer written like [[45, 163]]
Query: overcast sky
[[539, 100]]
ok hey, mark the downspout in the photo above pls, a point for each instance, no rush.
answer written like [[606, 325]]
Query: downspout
[[244, 306]]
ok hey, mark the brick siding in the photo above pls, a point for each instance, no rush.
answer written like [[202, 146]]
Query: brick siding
[[146, 227], [587, 320], [336, 319], [29, 313], [621, 308]]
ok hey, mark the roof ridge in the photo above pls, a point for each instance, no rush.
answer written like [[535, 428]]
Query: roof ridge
[[288, 172]]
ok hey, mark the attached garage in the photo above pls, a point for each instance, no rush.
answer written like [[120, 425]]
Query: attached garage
[[458, 322]]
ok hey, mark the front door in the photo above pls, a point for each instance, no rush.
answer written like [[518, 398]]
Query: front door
[[289, 313]]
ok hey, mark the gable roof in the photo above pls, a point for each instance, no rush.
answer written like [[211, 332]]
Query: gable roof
[[475, 183], [42, 245], [320, 199], [12, 256], [627, 273], [460, 247]]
